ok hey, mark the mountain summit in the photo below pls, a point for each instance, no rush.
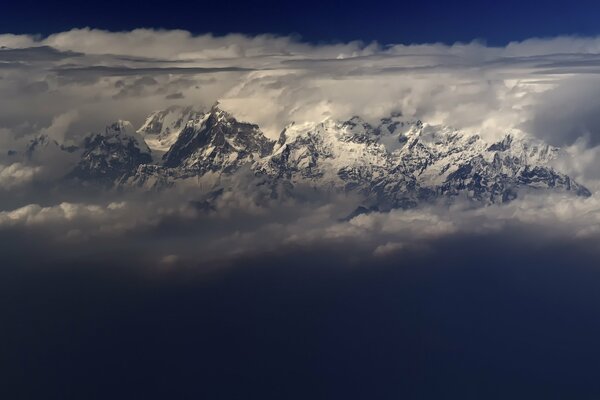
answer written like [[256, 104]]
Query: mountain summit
[[108, 156]]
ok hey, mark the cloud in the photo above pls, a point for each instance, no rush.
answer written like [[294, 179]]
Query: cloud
[[160, 232], [71, 83], [16, 174], [35, 54], [103, 71], [568, 112], [175, 96], [273, 80], [60, 125]]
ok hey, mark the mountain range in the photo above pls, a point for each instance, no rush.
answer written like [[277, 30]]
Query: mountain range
[[394, 163]]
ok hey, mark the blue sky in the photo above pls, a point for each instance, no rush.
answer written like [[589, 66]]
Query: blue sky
[[496, 22]]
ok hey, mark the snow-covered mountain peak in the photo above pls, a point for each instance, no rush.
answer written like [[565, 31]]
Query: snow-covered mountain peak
[[216, 141], [162, 128], [392, 132], [518, 144]]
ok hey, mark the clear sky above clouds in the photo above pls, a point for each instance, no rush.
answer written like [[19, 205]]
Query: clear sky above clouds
[[497, 22]]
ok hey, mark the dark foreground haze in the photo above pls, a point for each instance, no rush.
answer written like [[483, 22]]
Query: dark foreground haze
[[493, 316]]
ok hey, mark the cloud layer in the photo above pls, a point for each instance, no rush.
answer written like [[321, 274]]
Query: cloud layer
[[273, 80], [70, 83]]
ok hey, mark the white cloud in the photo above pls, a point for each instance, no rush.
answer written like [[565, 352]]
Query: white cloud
[[95, 75], [60, 125], [464, 84], [17, 174], [470, 86], [16, 41], [172, 235]]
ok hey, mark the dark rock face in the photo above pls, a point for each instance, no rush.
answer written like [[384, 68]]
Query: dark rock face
[[109, 156], [503, 145]]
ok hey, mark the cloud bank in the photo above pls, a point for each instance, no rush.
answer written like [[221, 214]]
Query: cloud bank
[[273, 80], [71, 83]]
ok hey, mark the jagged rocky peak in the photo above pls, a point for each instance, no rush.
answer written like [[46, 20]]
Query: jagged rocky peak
[[356, 130], [502, 145], [121, 132], [393, 125], [353, 130], [216, 141], [517, 144], [110, 155], [162, 128], [393, 132]]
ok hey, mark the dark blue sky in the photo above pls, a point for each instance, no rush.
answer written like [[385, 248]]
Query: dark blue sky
[[497, 22]]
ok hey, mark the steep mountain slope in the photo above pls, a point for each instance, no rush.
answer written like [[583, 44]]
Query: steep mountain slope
[[109, 156], [217, 142], [162, 128]]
